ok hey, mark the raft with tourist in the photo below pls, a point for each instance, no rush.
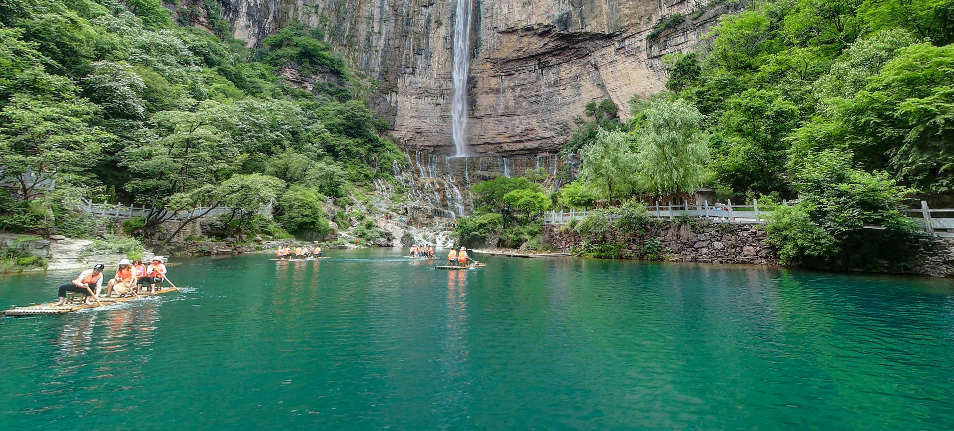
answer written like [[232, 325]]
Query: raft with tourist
[[458, 259], [300, 254], [133, 280]]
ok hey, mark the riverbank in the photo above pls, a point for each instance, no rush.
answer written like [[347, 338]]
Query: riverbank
[[722, 243]]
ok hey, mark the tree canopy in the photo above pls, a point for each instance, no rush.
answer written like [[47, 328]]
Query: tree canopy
[[114, 99]]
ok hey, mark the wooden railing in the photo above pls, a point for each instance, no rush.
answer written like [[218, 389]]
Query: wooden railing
[[937, 222]]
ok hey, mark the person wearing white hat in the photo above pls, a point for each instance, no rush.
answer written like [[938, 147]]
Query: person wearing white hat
[[124, 280], [155, 273], [462, 256]]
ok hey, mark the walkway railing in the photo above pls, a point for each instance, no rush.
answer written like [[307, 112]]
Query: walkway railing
[[746, 214], [937, 222]]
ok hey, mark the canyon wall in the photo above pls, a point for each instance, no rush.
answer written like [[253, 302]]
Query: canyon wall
[[535, 64]]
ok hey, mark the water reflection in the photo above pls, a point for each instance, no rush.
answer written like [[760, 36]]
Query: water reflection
[[454, 398], [75, 338], [372, 341]]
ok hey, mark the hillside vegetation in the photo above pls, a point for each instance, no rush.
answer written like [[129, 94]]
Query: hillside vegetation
[[846, 106], [114, 101]]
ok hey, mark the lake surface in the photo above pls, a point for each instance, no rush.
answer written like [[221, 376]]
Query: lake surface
[[369, 340]]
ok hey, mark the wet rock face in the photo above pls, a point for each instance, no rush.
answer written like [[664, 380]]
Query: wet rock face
[[534, 64]]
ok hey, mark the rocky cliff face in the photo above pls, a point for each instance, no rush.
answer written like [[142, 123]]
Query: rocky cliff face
[[535, 64]]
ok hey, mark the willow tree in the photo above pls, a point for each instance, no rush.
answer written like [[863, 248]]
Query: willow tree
[[671, 148], [609, 165]]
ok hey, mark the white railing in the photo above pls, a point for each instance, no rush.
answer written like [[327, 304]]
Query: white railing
[[729, 213], [751, 214]]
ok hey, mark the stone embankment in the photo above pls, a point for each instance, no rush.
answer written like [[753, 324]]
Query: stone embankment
[[705, 242], [727, 243]]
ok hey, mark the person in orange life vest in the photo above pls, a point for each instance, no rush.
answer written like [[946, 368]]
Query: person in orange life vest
[[124, 280], [155, 272], [452, 257], [462, 257], [85, 283], [139, 271], [430, 251], [317, 251], [297, 251], [305, 252], [287, 252], [279, 252]]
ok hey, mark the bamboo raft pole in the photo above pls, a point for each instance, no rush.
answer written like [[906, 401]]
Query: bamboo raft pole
[[50, 308]]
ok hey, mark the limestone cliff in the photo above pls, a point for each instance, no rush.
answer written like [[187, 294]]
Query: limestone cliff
[[535, 63]]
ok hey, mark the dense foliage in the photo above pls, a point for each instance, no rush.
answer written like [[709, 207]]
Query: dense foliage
[[846, 106], [111, 99], [507, 213]]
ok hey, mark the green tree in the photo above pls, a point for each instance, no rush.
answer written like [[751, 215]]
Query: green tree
[[577, 195], [41, 139], [751, 154], [907, 113], [929, 19], [671, 148], [685, 70], [828, 227], [299, 210], [116, 88], [190, 151], [480, 229], [609, 165], [528, 202], [489, 195]]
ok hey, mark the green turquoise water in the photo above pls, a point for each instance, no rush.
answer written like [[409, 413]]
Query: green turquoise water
[[369, 340]]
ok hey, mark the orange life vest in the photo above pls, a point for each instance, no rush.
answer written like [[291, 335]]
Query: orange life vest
[[452, 255], [125, 275], [90, 278], [156, 271], [462, 256]]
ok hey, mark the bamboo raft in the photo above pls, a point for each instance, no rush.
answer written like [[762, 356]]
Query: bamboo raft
[[69, 307], [471, 266]]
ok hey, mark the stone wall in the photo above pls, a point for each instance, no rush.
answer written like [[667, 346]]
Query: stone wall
[[726, 243], [700, 241], [937, 258]]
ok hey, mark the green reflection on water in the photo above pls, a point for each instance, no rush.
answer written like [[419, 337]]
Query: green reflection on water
[[370, 340]]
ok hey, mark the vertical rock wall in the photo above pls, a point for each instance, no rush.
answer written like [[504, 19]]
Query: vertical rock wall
[[535, 63]]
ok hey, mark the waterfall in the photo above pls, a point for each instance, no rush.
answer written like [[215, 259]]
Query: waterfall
[[461, 70]]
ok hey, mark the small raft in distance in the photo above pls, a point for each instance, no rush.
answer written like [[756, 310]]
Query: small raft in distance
[[471, 266], [69, 307]]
